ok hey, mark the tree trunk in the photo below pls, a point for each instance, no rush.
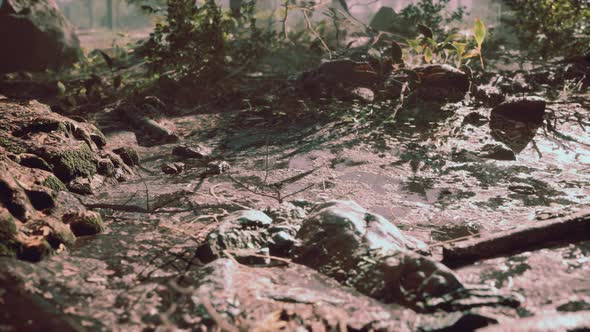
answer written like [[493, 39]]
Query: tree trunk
[[109, 15]]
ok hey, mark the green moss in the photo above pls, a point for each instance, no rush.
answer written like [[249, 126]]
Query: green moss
[[7, 250], [54, 183], [11, 146], [7, 226], [70, 164]]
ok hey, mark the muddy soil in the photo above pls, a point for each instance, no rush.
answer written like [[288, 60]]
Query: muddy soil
[[428, 174]]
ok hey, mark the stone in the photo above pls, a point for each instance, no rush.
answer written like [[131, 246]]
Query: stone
[[365, 95], [459, 322], [573, 306], [475, 119], [218, 167], [489, 95], [292, 298], [197, 151], [365, 251], [86, 186], [128, 155], [45, 39], [440, 83], [523, 109], [246, 229], [579, 321], [34, 161], [173, 168], [497, 151], [35, 250], [105, 166], [84, 223]]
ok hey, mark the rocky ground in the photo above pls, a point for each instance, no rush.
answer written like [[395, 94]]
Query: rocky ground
[[265, 219]]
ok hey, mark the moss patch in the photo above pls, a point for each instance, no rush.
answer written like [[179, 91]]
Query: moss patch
[[70, 164], [54, 183]]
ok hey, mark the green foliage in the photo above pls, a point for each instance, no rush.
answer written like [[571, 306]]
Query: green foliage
[[453, 48], [203, 43], [547, 28], [430, 13]]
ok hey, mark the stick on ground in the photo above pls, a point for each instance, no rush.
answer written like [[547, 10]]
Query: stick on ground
[[542, 234]]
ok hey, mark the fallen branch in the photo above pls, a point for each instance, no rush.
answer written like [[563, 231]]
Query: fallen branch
[[542, 234], [147, 125]]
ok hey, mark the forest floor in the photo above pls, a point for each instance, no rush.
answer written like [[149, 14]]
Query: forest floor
[[425, 174]]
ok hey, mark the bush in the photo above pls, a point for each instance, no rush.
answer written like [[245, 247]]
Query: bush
[[548, 28], [203, 43]]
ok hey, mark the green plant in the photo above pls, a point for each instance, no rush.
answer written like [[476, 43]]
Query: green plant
[[203, 43], [548, 28], [453, 48], [431, 13]]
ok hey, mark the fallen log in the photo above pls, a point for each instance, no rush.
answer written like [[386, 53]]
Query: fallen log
[[147, 125], [543, 234], [579, 321]]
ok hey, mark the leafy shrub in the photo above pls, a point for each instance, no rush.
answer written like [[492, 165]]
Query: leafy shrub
[[203, 43], [430, 13], [547, 28]]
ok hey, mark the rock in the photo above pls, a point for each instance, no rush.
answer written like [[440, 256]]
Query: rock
[[74, 161], [54, 231], [340, 229], [523, 189], [573, 306], [84, 223], [292, 298], [105, 166], [490, 95], [246, 229], [365, 95], [459, 322], [218, 167], [331, 76], [524, 109], [440, 83], [197, 151], [34, 161], [35, 250], [579, 321], [475, 119], [365, 251], [497, 151], [281, 243], [173, 168], [128, 155], [86, 186], [45, 39], [287, 213]]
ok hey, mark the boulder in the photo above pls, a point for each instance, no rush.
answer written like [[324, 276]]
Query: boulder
[[579, 321], [38, 34], [291, 298], [498, 151], [440, 83], [197, 151], [365, 251], [245, 229], [523, 109]]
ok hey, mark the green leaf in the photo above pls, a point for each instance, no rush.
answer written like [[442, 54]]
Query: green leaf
[[479, 32], [428, 55], [414, 44], [426, 31], [396, 53]]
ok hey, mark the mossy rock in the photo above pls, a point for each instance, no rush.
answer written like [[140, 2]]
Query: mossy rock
[[7, 226], [60, 234], [54, 183], [35, 250], [84, 223], [11, 146], [69, 164]]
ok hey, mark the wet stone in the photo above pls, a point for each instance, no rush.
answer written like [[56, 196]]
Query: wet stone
[[218, 167]]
